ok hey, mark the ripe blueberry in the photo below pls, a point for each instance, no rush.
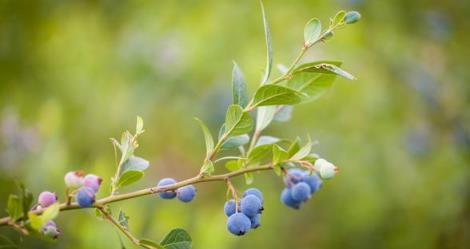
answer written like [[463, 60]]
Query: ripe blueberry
[[255, 221], [300, 192], [255, 192], [230, 207], [286, 198], [313, 181], [92, 181], [50, 230], [73, 179], [238, 224], [251, 205], [186, 193], [166, 194], [85, 197], [293, 176], [47, 198]]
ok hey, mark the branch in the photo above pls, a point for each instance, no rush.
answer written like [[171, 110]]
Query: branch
[[152, 190]]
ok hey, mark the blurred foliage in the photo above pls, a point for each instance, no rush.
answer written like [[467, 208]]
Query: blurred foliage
[[75, 73]]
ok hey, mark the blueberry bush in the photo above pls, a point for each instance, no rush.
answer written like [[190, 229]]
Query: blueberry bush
[[239, 146]]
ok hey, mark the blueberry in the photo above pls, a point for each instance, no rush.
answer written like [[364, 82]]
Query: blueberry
[[352, 17], [85, 197], [186, 193], [313, 181], [238, 224], [286, 198], [230, 207], [166, 194], [50, 230], [293, 176], [255, 221], [300, 192], [251, 205], [47, 198], [255, 192], [92, 181], [73, 179]]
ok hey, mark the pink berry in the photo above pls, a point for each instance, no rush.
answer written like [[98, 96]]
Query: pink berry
[[74, 179], [92, 181], [47, 198]]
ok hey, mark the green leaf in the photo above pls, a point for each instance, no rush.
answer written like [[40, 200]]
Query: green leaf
[[265, 115], [134, 163], [123, 219], [329, 69], [339, 17], [14, 207], [127, 145], [283, 113], [35, 221], [139, 127], [249, 178], [129, 176], [302, 152], [235, 142], [312, 31], [267, 140], [233, 165], [239, 92], [26, 199], [207, 137], [260, 153], [151, 244], [6, 243], [38, 221], [177, 239], [276, 95], [279, 154], [269, 54], [237, 122], [294, 147], [207, 168]]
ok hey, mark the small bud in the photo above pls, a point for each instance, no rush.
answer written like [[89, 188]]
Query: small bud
[[325, 169], [46, 199], [352, 17], [92, 181], [328, 35], [74, 179], [50, 230]]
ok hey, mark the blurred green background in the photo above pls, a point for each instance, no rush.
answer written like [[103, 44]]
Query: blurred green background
[[75, 73]]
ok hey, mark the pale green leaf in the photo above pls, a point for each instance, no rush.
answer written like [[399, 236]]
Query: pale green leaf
[[267, 140], [339, 17], [51, 212], [207, 136], [260, 153], [207, 168], [249, 178], [235, 142], [35, 221], [139, 127], [151, 244], [123, 219], [312, 31], [269, 48], [14, 207], [329, 69], [134, 163], [279, 154], [239, 91], [302, 152], [233, 165], [276, 95], [237, 122], [294, 147], [129, 176], [283, 113]]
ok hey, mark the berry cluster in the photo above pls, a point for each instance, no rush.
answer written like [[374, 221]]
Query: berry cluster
[[244, 214], [184, 194]]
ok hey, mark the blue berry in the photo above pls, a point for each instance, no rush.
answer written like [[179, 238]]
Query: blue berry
[[238, 224], [251, 205], [255, 221], [313, 181], [300, 191], [286, 198], [186, 193], [230, 207], [85, 197], [255, 192], [167, 194], [293, 176]]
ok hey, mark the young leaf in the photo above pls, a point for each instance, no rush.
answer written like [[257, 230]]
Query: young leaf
[[26, 199], [177, 239], [302, 152], [237, 122], [269, 54], [235, 142], [35, 221], [265, 115], [267, 140], [339, 17], [123, 219], [207, 168], [14, 207], [283, 113], [50, 213], [279, 154], [139, 127], [276, 95], [329, 68], [233, 165], [129, 176], [294, 147], [249, 178], [207, 136], [259, 153], [134, 163], [239, 92], [312, 31]]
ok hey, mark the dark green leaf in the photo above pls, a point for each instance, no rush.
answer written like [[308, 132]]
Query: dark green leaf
[[239, 92], [269, 54], [207, 136], [237, 122], [276, 95], [312, 31], [235, 142], [177, 239], [14, 207], [283, 113], [129, 176], [135, 163]]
